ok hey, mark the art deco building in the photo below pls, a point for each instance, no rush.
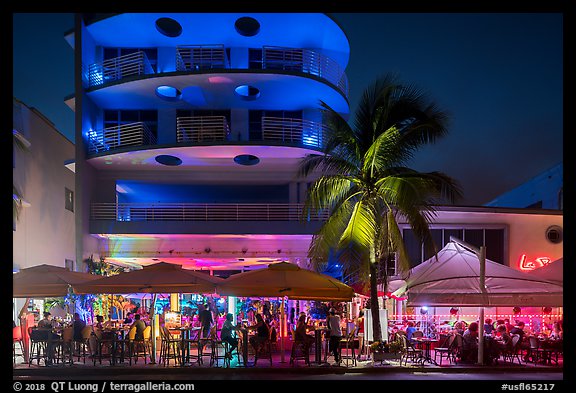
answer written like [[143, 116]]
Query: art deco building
[[190, 129]]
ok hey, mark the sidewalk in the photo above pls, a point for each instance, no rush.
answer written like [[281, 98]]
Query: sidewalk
[[263, 367]]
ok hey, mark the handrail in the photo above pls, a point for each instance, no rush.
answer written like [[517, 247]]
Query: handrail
[[111, 138], [110, 70], [200, 212], [302, 132], [202, 128], [306, 61], [201, 57]]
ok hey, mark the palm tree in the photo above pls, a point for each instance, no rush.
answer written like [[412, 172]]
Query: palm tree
[[365, 185], [21, 144]]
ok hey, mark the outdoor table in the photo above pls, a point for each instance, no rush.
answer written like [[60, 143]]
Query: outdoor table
[[244, 332], [185, 334], [318, 332], [118, 335], [426, 346]]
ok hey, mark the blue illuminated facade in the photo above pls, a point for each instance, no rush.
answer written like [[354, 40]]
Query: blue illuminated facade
[[193, 125]]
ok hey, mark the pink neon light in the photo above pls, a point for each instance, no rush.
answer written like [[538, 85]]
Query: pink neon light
[[525, 264]]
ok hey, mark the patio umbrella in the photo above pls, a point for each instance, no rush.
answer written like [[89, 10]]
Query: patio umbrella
[[47, 281], [43, 281], [554, 272], [160, 277], [286, 279], [452, 279]]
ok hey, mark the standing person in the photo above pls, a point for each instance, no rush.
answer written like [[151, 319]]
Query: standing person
[[360, 324], [206, 320], [333, 323]]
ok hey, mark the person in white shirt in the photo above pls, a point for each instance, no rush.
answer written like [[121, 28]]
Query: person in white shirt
[[333, 323]]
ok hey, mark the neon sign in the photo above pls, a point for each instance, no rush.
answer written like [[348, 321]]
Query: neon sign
[[525, 264]]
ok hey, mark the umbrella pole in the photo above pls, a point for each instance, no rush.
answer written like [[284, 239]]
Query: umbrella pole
[[153, 327], [482, 258], [282, 330]]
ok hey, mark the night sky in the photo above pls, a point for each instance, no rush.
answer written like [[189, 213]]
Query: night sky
[[498, 75]]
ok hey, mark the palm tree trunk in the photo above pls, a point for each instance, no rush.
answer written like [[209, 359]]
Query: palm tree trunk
[[374, 307]]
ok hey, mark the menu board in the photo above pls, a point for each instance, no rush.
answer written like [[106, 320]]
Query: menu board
[[172, 320]]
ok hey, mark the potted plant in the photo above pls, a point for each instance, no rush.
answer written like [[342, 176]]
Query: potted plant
[[383, 350]]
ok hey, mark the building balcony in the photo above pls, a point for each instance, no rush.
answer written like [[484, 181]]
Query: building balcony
[[201, 212], [120, 137], [112, 70], [210, 129], [200, 218], [200, 58]]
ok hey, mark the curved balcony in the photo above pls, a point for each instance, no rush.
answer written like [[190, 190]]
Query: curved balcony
[[199, 58], [201, 212], [133, 64], [119, 137]]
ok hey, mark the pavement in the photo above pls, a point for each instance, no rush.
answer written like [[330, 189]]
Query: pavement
[[277, 370]]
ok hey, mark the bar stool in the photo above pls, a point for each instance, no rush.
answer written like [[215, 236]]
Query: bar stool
[[141, 345], [263, 350], [17, 341], [300, 351], [170, 347], [38, 345], [83, 343]]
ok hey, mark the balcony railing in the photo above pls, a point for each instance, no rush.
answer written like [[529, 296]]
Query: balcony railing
[[302, 132], [201, 57], [133, 64], [200, 212], [306, 61], [134, 134], [202, 129]]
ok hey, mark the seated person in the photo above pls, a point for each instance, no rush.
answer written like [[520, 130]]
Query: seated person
[[470, 343], [262, 332], [503, 338], [301, 332], [47, 322], [129, 318], [140, 326], [228, 334], [488, 327], [410, 329]]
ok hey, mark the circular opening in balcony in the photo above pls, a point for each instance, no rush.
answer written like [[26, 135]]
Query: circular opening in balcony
[[246, 159], [247, 26], [166, 159], [169, 27], [168, 93], [247, 93]]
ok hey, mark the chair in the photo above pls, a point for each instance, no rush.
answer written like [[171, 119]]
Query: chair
[[300, 351], [514, 351], [104, 345], [65, 348], [83, 343], [263, 350], [410, 352], [193, 348], [141, 346], [349, 344], [203, 342], [17, 342], [219, 350], [538, 352], [38, 345], [170, 347], [458, 346], [418, 334], [446, 350], [128, 343]]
